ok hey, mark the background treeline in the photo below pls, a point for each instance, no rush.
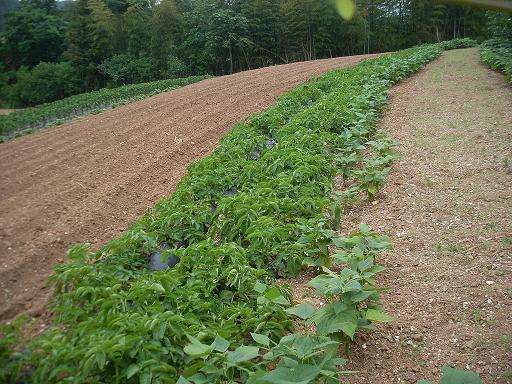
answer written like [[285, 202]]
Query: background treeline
[[50, 50]]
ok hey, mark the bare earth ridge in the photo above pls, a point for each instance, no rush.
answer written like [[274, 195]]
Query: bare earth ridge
[[88, 180], [447, 206]]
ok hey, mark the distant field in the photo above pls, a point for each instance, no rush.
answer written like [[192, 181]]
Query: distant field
[[22, 122]]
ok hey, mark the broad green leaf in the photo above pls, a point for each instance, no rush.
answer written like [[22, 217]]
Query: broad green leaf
[[182, 380], [365, 264], [256, 378], [196, 348], [304, 346], [145, 378], [330, 319], [351, 286], [281, 300], [157, 287], [301, 374], [457, 376], [220, 344], [243, 353], [260, 287], [132, 370], [101, 359], [304, 311], [199, 378], [261, 339], [376, 315]]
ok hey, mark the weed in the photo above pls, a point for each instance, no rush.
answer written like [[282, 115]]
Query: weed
[[429, 182]]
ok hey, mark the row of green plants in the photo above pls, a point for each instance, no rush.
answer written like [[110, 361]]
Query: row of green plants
[[28, 120], [465, 42], [260, 207], [497, 54]]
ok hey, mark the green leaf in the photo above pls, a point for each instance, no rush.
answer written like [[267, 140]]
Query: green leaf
[[132, 370], [365, 264], [301, 374], [220, 344], [457, 376], [101, 359], [260, 287], [424, 382], [157, 287], [335, 317], [243, 353], [274, 295], [261, 339], [376, 315], [182, 380], [256, 378], [196, 348], [304, 311]]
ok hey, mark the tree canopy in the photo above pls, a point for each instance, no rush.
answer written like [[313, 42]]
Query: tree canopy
[[112, 42]]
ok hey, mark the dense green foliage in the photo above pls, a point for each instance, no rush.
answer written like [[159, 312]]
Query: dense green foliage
[[47, 115], [46, 81], [497, 54], [260, 206], [117, 42], [459, 43]]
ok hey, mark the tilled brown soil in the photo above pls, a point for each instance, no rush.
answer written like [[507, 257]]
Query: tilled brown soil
[[88, 180]]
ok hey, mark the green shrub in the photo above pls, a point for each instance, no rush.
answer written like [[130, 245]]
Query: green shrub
[[127, 69], [44, 83], [459, 43], [497, 54]]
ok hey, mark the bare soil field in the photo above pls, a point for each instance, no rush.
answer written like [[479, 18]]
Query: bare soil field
[[88, 180], [447, 206]]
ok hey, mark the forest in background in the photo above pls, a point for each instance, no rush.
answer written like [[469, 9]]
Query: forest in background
[[50, 50]]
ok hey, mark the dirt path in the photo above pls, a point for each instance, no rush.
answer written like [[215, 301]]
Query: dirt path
[[447, 206], [88, 180]]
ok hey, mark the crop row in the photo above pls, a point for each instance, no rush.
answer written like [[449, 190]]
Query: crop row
[[28, 120], [465, 42], [497, 54], [261, 206]]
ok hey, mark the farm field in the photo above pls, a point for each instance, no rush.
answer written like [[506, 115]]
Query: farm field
[[88, 180], [267, 204]]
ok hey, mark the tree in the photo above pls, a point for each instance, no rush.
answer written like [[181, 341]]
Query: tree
[[44, 83], [31, 36], [136, 21], [127, 69], [165, 25], [226, 39], [100, 29], [90, 40], [265, 26]]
